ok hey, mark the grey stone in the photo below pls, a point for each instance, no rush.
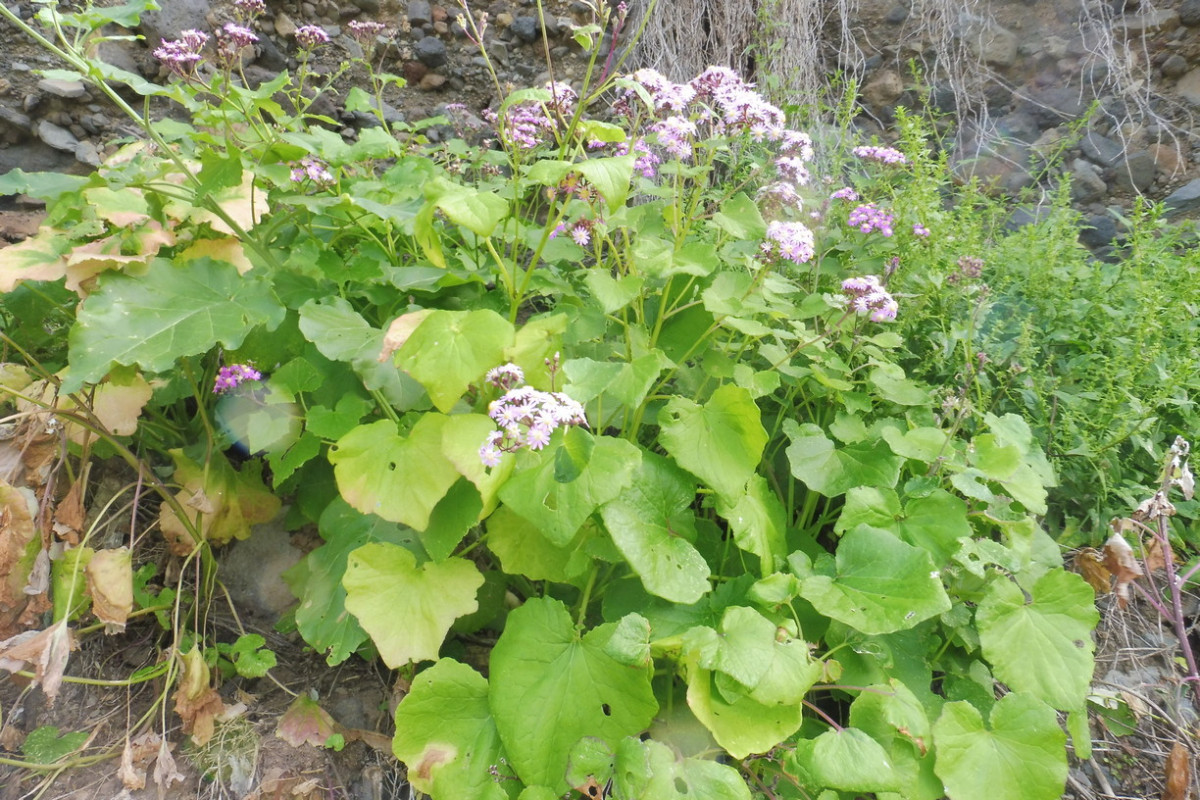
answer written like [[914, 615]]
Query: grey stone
[[1162, 21], [897, 14], [991, 43], [1053, 105], [172, 17], [1174, 65], [56, 137], [1136, 172], [525, 29], [119, 54], [87, 153], [252, 571], [1099, 230], [419, 13], [61, 88], [883, 89], [35, 156], [1101, 149], [1189, 87], [1086, 183], [1026, 215], [370, 6], [430, 51], [16, 119], [1018, 125], [1185, 198], [1189, 12]]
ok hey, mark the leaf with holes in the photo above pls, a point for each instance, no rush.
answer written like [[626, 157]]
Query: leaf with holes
[[446, 736], [550, 687]]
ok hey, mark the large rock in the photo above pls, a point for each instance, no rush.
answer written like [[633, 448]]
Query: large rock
[[1053, 105], [1159, 21], [1189, 12], [1189, 87], [430, 51], [1184, 199], [56, 137], [172, 17], [990, 43], [1086, 183], [1136, 172], [1101, 149]]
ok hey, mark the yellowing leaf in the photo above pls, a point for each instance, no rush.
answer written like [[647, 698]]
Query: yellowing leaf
[[226, 249], [228, 502], [408, 609], [305, 722], [399, 330], [196, 702], [38, 258], [1120, 561], [1090, 564], [110, 583]]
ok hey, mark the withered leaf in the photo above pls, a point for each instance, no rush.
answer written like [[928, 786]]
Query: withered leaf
[[110, 583], [70, 511], [19, 548], [1120, 561], [1155, 555], [196, 702], [305, 722], [1179, 773], [1090, 564], [165, 772], [398, 332], [47, 650]]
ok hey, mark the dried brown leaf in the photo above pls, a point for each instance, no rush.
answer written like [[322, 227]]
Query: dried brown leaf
[[305, 722], [1186, 482], [1179, 773], [19, 548], [1120, 561], [110, 583], [47, 650], [196, 702], [131, 774], [70, 512], [1155, 557], [1090, 564], [165, 771]]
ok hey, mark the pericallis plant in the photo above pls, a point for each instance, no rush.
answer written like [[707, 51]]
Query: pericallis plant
[[612, 390]]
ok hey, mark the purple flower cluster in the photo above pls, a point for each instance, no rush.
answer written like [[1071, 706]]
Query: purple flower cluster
[[526, 416], [866, 294], [796, 144], [231, 39], [790, 240], [309, 36], [646, 162], [180, 55], [792, 168], [665, 95], [528, 124], [313, 169], [920, 230], [675, 135], [868, 218], [229, 377], [845, 193], [779, 195], [365, 31], [884, 155], [249, 9]]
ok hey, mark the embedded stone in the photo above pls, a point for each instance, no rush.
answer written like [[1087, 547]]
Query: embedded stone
[[62, 88], [57, 137], [430, 51]]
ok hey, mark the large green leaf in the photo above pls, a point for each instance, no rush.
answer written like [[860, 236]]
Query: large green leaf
[[721, 441], [550, 687], [446, 736], [475, 210], [767, 665], [833, 470], [847, 759], [400, 479], [893, 716], [650, 770], [744, 725], [611, 177], [559, 507], [461, 438], [1041, 645], [321, 616], [523, 550], [758, 522], [880, 585], [407, 609], [934, 522], [341, 334], [170, 312], [1020, 756], [450, 350], [653, 525]]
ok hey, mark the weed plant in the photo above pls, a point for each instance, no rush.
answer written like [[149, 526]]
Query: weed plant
[[739, 466]]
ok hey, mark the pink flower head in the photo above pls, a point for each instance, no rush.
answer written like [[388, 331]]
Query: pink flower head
[[232, 375], [845, 193], [180, 55], [240, 35], [868, 218], [797, 144], [309, 36], [249, 9], [790, 240], [313, 169], [884, 155], [505, 376], [675, 135], [867, 295], [920, 230], [365, 31]]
